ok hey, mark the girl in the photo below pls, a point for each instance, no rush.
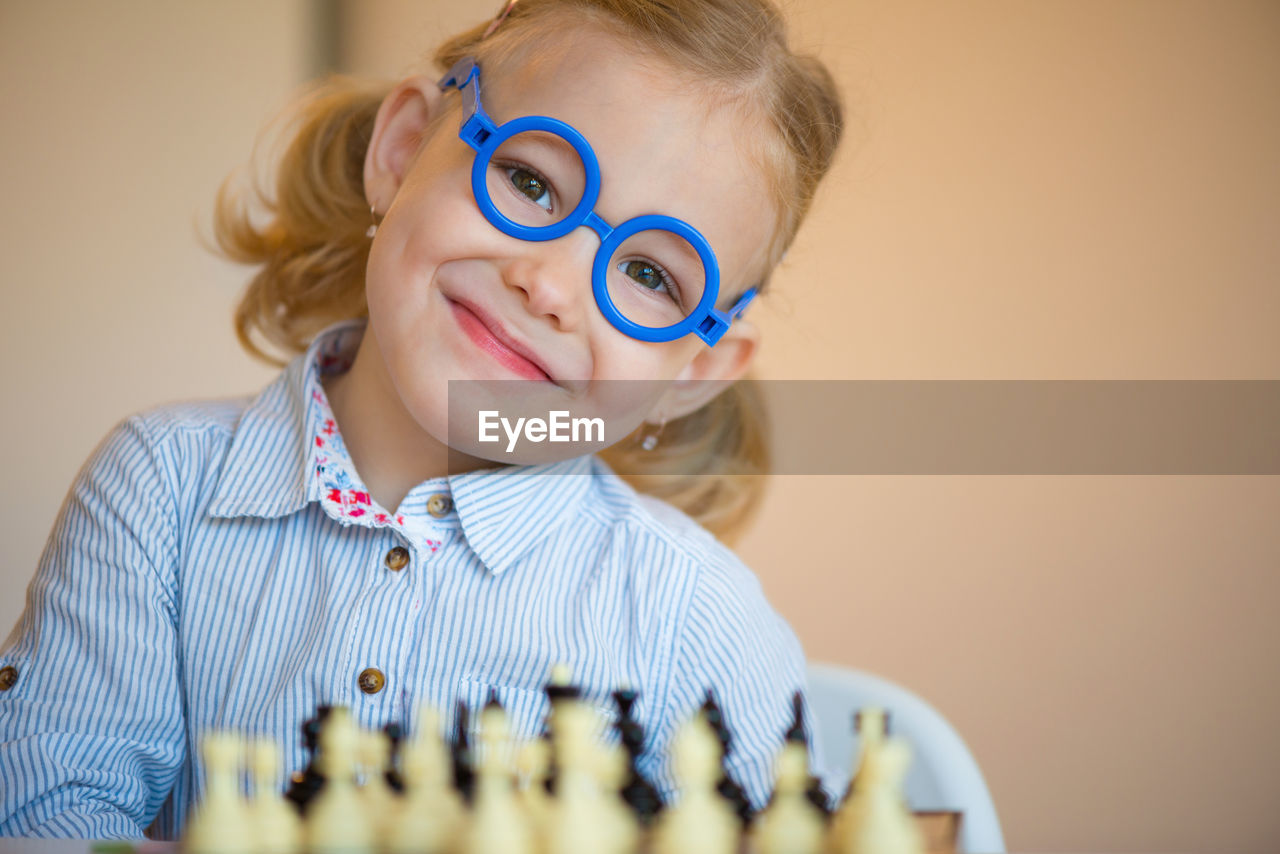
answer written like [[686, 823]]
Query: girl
[[594, 191]]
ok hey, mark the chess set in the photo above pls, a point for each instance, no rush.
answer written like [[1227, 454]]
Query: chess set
[[570, 792]]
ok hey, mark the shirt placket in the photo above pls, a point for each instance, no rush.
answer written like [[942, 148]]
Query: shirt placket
[[400, 581]]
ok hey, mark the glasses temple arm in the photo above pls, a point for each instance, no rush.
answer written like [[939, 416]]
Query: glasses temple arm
[[717, 322], [476, 124]]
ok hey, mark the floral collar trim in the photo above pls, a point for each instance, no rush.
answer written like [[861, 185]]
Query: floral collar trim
[[334, 482]]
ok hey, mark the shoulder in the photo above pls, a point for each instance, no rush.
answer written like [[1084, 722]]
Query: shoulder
[[165, 449], [725, 636], [659, 539], [216, 418], [643, 518]]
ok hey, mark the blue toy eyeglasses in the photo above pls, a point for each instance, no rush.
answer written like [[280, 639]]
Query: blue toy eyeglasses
[[654, 277]]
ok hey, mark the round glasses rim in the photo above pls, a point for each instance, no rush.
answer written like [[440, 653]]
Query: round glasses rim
[[610, 236]]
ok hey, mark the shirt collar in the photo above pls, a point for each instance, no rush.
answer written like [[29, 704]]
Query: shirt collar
[[505, 512], [502, 512], [264, 472]]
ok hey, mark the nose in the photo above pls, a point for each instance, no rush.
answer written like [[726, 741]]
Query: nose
[[555, 276]]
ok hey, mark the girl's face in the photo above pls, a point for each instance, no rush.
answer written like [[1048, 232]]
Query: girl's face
[[453, 298]]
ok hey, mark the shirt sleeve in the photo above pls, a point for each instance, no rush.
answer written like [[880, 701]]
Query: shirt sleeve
[[91, 728], [733, 643]]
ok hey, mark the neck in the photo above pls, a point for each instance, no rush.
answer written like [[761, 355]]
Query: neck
[[391, 451]]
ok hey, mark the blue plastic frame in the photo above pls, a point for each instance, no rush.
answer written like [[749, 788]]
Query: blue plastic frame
[[482, 134]]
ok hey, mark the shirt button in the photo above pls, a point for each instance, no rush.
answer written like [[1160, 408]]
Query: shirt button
[[8, 678], [439, 505], [371, 680], [397, 559]]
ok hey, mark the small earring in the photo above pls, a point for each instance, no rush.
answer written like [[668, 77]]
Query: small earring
[[373, 228], [650, 440]]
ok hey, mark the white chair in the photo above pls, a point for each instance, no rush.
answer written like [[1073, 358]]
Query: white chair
[[943, 773]]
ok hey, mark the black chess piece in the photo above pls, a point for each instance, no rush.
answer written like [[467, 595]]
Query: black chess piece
[[395, 734], [638, 792], [464, 778], [555, 691], [304, 785], [727, 786], [799, 735]]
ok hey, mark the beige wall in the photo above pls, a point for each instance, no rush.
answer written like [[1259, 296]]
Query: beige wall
[[1048, 190], [120, 121]]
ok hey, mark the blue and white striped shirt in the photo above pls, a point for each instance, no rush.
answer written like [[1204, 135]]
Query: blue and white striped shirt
[[197, 579]]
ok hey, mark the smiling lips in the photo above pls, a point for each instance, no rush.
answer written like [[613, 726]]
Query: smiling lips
[[488, 335]]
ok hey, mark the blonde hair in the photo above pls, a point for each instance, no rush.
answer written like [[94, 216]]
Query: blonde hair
[[313, 249]]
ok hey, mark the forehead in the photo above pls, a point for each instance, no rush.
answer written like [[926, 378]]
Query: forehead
[[663, 146]]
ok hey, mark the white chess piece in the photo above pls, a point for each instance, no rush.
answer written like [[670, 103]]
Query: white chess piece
[[222, 823], [498, 822], [877, 819], [533, 762], [611, 771], [429, 818], [872, 729], [277, 826], [579, 822], [380, 799], [338, 820], [701, 820], [561, 673], [791, 824]]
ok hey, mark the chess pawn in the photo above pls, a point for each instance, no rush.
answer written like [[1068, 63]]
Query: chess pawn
[[498, 823], [533, 764], [429, 818], [877, 819], [580, 822], [701, 820], [791, 824], [277, 826], [379, 798], [222, 823], [337, 820], [559, 690], [613, 771]]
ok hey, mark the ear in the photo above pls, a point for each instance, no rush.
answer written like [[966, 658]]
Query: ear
[[403, 118], [710, 371]]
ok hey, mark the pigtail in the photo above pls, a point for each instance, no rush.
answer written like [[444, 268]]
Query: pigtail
[[309, 235]]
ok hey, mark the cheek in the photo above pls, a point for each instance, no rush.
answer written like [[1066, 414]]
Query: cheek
[[624, 358], [426, 228], [630, 378]]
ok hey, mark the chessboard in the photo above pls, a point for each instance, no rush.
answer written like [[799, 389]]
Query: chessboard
[[569, 792]]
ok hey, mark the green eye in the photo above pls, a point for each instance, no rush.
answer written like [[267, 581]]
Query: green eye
[[531, 186], [644, 274], [651, 277]]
